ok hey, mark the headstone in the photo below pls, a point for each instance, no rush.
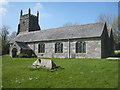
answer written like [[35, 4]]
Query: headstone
[[37, 62], [44, 63]]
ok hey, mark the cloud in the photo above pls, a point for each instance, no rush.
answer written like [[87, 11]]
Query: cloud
[[3, 2], [37, 7], [3, 11]]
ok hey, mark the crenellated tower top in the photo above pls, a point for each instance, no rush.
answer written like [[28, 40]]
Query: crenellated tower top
[[28, 22]]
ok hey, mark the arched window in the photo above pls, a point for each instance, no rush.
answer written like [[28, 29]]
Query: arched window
[[41, 48], [80, 47], [58, 47]]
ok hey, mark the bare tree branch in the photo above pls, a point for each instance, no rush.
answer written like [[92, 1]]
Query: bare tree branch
[[69, 24]]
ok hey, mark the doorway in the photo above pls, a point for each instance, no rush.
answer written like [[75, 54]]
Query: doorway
[[14, 52]]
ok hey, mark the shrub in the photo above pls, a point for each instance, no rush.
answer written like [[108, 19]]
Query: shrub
[[33, 55], [23, 55], [117, 54]]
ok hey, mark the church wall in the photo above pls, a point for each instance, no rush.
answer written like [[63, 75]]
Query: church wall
[[93, 49], [50, 50]]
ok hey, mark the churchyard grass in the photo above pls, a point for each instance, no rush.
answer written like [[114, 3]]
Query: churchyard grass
[[77, 73]]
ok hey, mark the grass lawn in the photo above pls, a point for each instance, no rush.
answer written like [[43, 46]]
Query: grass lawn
[[77, 73]]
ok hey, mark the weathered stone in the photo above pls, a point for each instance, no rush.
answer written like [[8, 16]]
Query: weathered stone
[[37, 62], [44, 63], [33, 67]]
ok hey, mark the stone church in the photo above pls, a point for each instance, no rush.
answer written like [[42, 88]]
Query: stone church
[[79, 41]]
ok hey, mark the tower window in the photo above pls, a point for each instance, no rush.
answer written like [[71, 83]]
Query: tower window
[[23, 23], [41, 48], [59, 47], [81, 47]]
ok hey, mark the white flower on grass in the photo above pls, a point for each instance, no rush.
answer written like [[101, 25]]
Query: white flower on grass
[[56, 73], [92, 71], [49, 76], [79, 68], [1, 86], [30, 78], [81, 72], [16, 80], [36, 77]]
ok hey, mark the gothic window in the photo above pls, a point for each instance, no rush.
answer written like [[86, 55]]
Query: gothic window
[[59, 47], [80, 47], [41, 48]]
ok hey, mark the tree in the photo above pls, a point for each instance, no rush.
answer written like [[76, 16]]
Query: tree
[[112, 22], [0, 46], [106, 18], [12, 36], [4, 35], [69, 24], [116, 28]]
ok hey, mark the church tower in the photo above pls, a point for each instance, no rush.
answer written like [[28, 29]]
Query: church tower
[[28, 22]]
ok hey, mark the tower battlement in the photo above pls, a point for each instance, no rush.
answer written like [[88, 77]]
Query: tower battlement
[[28, 22]]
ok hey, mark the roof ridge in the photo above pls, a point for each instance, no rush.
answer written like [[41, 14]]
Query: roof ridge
[[79, 25], [61, 28]]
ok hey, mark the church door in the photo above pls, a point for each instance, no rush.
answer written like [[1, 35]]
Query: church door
[[14, 52]]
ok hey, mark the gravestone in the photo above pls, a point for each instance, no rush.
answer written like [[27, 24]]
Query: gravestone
[[37, 62], [44, 63]]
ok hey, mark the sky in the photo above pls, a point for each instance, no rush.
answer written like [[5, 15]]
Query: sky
[[56, 14]]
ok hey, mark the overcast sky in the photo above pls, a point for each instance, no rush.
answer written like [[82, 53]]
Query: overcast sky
[[55, 14]]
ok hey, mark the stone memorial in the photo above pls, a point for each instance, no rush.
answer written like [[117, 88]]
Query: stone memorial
[[44, 63]]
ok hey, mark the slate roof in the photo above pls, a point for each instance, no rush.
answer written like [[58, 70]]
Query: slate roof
[[23, 45], [77, 31]]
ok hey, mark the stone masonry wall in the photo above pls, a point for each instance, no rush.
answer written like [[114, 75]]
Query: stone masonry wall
[[93, 49]]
